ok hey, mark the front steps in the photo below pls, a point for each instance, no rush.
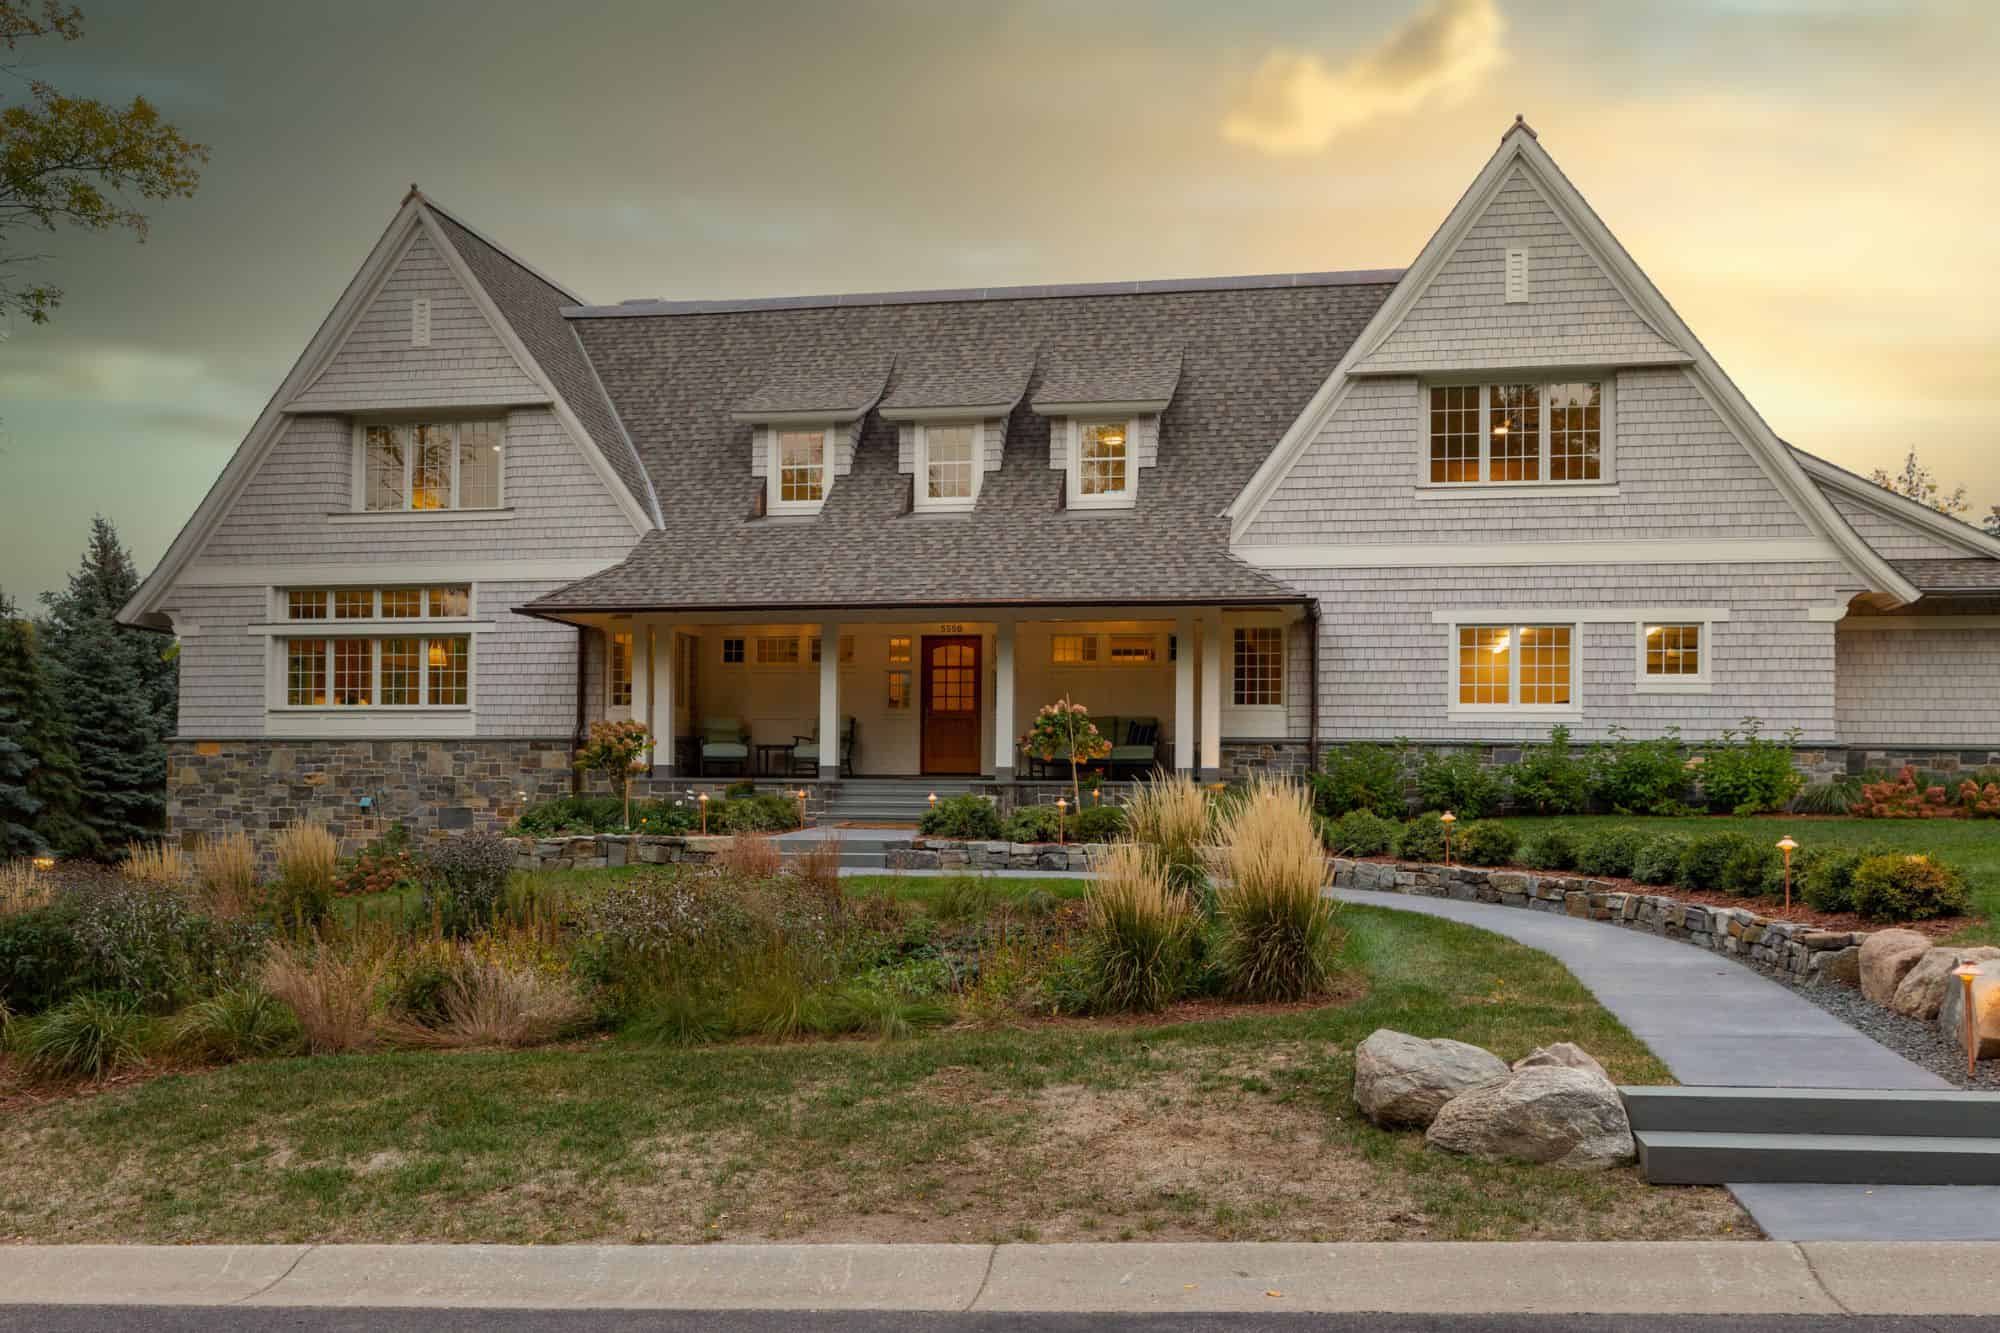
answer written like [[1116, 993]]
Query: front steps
[[1825, 1136], [888, 800]]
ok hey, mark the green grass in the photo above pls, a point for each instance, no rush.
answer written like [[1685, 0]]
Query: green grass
[[928, 889], [1973, 845], [1243, 1127]]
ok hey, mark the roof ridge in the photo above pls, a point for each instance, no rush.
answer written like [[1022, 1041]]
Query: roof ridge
[[952, 295]]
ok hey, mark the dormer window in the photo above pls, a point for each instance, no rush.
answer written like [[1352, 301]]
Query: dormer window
[[1515, 434], [1102, 471], [949, 464], [425, 466], [798, 468]]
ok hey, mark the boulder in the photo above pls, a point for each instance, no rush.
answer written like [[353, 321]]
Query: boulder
[[1561, 1055], [1548, 1113], [1842, 965], [1886, 958], [1403, 1080], [1985, 1009], [1923, 987]]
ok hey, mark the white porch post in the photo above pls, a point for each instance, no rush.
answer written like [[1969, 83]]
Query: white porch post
[[1003, 701], [660, 664], [829, 702], [1212, 686], [1184, 651], [642, 676]]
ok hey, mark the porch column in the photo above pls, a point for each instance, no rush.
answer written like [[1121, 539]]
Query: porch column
[[642, 675], [660, 667], [1184, 693], [1003, 701], [829, 702], [1212, 686]]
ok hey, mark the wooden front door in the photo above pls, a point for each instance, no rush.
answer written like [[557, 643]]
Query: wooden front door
[[951, 704]]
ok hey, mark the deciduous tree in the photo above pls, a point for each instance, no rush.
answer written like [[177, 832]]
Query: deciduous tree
[[1915, 482]]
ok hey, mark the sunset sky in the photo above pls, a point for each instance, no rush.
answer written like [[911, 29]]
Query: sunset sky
[[1812, 186]]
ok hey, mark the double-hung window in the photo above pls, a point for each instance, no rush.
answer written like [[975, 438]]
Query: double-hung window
[[425, 466], [949, 465], [1519, 667], [1516, 433], [395, 650], [798, 469], [1674, 656], [1103, 473]]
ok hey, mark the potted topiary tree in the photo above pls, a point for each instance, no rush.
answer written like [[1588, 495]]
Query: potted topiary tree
[[1063, 730], [613, 748]]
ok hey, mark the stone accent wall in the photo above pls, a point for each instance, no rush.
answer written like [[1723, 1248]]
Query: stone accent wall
[[951, 854], [259, 786], [1242, 759], [601, 850], [1805, 951]]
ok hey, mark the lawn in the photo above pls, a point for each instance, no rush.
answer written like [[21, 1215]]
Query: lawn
[[1973, 845], [1241, 1127]]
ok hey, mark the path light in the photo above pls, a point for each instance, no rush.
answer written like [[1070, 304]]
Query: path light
[[45, 863], [1447, 819], [1062, 808], [933, 800], [703, 799], [1967, 973], [1787, 846], [802, 807]]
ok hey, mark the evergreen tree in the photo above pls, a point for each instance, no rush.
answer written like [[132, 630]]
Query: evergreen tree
[[17, 807], [117, 688], [39, 794]]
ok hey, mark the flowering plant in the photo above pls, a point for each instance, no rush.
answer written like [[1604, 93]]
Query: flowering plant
[[614, 747], [1063, 730]]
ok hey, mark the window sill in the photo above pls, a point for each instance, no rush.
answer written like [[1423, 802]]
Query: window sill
[[420, 516], [1674, 687], [944, 507], [1514, 490], [1526, 712], [366, 629], [1096, 502]]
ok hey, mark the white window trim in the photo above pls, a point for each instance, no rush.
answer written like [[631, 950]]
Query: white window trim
[[922, 501], [1572, 709], [1606, 482], [774, 474], [1702, 682], [359, 498], [1227, 685], [277, 684], [1124, 499]]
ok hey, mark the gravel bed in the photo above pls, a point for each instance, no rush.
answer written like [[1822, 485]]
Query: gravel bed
[[1916, 1041]]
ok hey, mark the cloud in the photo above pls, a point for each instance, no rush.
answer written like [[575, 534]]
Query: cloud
[[1296, 104]]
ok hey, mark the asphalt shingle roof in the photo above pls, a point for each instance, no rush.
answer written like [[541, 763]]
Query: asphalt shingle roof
[[1250, 357], [960, 375], [1967, 574], [841, 381], [1128, 372]]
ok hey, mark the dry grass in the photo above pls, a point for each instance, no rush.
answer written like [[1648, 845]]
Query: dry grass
[[1171, 813], [308, 857], [22, 888], [819, 867], [225, 869], [1140, 930], [1279, 940], [334, 992], [161, 863], [751, 856], [500, 1002]]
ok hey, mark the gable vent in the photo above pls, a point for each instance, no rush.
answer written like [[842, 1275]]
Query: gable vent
[[420, 321], [1517, 275]]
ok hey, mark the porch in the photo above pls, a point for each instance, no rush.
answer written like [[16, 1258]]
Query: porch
[[929, 696]]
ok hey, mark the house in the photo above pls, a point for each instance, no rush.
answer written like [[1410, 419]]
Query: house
[[1502, 489]]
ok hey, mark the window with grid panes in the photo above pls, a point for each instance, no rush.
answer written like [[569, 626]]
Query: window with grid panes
[[1258, 666]]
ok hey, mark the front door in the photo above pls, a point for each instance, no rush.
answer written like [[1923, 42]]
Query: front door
[[951, 704]]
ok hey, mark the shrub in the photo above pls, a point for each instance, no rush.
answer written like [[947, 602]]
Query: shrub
[[970, 817], [740, 787], [308, 858], [1422, 839], [1278, 939], [665, 818], [157, 863], [1485, 842], [1746, 774], [1171, 815], [1360, 833], [1896, 887], [1705, 858], [612, 748], [573, 814], [1552, 848], [236, 1024], [1098, 823], [751, 856], [111, 934], [42, 958], [225, 868], [1835, 796], [90, 1036], [334, 992], [1360, 776], [1979, 802], [492, 1001], [1064, 730], [1550, 779], [465, 880], [766, 812], [1137, 952], [1610, 852], [1755, 870], [1909, 795], [1458, 782], [1658, 861], [1031, 823], [1824, 876], [1640, 777]]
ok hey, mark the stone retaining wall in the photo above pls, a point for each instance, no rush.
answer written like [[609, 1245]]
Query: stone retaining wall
[[951, 854], [598, 850], [1805, 951]]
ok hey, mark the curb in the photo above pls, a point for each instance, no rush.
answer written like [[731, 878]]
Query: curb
[[1613, 1278]]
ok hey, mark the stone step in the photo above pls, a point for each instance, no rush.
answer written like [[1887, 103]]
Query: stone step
[[1942, 1113], [1670, 1158]]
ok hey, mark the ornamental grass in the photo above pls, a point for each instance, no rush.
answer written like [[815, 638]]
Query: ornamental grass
[[335, 991], [1141, 931], [308, 861], [160, 863], [1279, 940], [225, 872], [1170, 813], [22, 887]]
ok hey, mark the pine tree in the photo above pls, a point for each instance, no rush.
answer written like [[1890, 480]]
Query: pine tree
[[117, 689], [17, 807], [35, 752]]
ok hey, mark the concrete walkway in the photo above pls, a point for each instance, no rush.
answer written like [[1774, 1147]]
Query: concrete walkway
[[1639, 1278], [1718, 1023]]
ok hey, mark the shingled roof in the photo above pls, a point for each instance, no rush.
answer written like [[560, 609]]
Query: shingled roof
[[1966, 574], [1247, 354]]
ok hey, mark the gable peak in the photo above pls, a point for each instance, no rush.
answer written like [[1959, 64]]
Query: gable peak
[[1520, 126]]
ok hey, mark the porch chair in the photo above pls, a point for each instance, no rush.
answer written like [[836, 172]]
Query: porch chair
[[1135, 743], [805, 750], [725, 740]]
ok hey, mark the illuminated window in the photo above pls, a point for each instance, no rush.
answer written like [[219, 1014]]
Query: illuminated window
[[402, 603], [798, 469], [1514, 451], [621, 669], [431, 457], [899, 649], [899, 690], [305, 672], [1674, 657], [353, 672], [354, 604], [846, 649], [1101, 465], [305, 605], [454, 599], [1526, 666], [948, 466], [1258, 675], [431, 465], [1133, 649], [1516, 433], [401, 673], [778, 652], [1455, 432], [448, 672], [1073, 649]]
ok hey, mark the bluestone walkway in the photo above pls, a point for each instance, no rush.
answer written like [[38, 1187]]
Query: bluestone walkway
[[1715, 1022]]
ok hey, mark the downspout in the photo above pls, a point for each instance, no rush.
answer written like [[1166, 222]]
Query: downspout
[[1312, 686], [582, 703]]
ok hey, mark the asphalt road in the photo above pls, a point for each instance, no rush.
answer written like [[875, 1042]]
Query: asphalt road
[[201, 1319]]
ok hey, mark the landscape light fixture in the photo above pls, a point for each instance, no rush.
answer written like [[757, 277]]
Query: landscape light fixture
[[703, 800], [45, 863], [802, 807], [1967, 973], [1787, 846], [1447, 819], [1062, 808]]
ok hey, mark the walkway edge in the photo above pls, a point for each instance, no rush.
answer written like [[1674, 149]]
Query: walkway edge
[[1687, 1278]]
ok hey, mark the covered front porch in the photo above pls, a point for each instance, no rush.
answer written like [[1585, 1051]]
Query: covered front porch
[[926, 693]]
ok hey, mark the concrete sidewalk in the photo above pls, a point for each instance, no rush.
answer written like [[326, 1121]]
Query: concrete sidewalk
[[1667, 1278]]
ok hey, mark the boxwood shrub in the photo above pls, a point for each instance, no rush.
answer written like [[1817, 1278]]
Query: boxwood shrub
[[1422, 839], [1705, 858], [1610, 852], [1360, 833], [1898, 887], [1553, 848], [967, 816], [1658, 861], [1485, 842]]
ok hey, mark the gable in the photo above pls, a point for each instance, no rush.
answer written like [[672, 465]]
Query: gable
[[377, 365], [1892, 537], [1573, 313]]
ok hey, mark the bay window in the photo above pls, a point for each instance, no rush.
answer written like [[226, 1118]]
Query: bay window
[[1516, 433], [426, 466]]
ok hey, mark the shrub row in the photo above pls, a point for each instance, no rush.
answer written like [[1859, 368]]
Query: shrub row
[[976, 819]]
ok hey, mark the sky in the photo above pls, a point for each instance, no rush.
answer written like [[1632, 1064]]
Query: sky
[[1811, 185]]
